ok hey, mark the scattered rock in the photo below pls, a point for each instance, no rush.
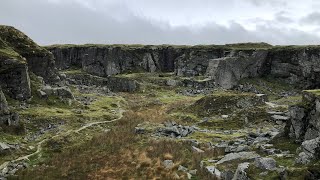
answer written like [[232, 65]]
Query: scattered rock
[[240, 155], [279, 118], [4, 146], [214, 171], [311, 151], [174, 130], [182, 168], [140, 130], [63, 92], [265, 163], [241, 173], [168, 164]]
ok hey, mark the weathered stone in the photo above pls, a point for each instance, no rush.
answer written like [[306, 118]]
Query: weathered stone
[[14, 78], [311, 151], [241, 173], [279, 118], [214, 171], [240, 155], [4, 146], [297, 122], [63, 92], [110, 60], [228, 71], [182, 168], [168, 164], [197, 150], [265, 163]]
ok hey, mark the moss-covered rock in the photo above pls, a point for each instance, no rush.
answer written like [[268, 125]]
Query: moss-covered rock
[[225, 103], [40, 61]]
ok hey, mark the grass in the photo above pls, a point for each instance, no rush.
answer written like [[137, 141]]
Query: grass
[[215, 137], [285, 144], [269, 85], [117, 153], [316, 92], [164, 46], [223, 103]]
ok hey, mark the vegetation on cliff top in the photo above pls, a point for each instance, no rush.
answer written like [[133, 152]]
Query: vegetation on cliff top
[[7, 52], [261, 45], [20, 42]]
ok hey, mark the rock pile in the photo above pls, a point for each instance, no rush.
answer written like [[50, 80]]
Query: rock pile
[[174, 130]]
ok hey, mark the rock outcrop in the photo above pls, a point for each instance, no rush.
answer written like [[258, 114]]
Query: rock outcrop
[[296, 65], [6, 116], [115, 84], [39, 60], [227, 71], [14, 77], [304, 126], [304, 121], [108, 60], [226, 64]]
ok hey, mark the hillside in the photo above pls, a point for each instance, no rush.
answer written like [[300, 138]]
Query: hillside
[[235, 111]]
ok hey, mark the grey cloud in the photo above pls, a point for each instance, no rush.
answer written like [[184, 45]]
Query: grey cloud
[[283, 17], [313, 19], [268, 2], [73, 23]]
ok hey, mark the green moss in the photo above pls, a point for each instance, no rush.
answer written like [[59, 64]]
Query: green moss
[[269, 85], [141, 46], [285, 144], [254, 173], [249, 45], [8, 52], [214, 137], [222, 103], [315, 92], [288, 101]]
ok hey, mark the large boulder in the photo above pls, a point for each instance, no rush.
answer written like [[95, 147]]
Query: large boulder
[[241, 173], [265, 163], [304, 121], [227, 71], [310, 151], [63, 92], [195, 61]]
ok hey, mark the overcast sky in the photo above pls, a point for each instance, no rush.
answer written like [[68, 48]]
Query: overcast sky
[[165, 21]]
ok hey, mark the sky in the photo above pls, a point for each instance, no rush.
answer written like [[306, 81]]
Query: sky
[[190, 22]]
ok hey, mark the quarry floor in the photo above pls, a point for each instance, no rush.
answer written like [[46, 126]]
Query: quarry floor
[[105, 135]]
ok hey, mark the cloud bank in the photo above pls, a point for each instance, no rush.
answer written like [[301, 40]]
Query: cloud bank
[[164, 22]]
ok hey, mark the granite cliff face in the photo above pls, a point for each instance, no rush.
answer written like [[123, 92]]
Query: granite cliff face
[[225, 64], [296, 65], [108, 60]]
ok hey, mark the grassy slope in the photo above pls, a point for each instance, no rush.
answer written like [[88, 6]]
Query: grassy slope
[[20, 42]]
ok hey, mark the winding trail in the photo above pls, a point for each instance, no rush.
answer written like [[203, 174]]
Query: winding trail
[[39, 144]]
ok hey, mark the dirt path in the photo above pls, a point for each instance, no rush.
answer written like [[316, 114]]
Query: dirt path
[[39, 144]]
